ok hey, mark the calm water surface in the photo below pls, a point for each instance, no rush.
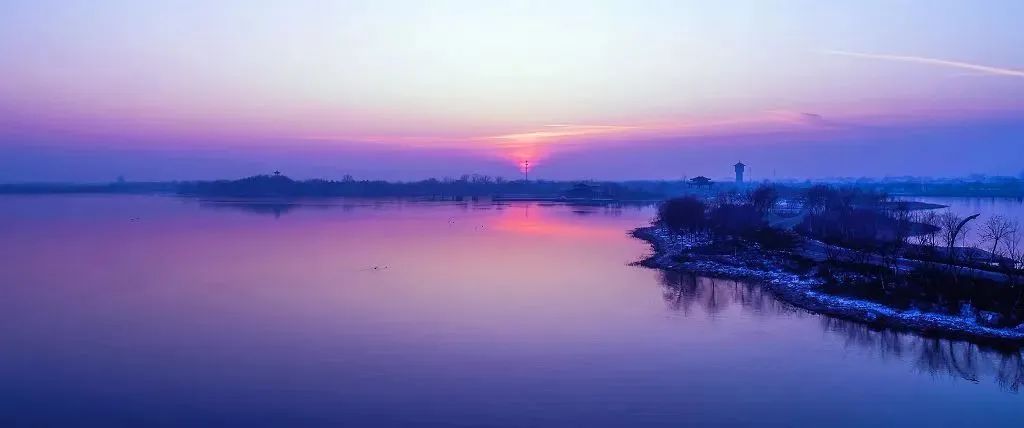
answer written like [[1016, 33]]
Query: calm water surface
[[1011, 208], [131, 310]]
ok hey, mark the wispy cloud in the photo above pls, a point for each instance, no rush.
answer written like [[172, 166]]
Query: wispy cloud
[[555, 131], [998, 71]]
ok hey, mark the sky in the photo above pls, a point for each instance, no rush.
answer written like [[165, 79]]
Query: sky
[[583, 89]]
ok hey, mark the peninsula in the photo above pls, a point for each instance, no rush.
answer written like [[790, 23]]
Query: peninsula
[[853, 254]]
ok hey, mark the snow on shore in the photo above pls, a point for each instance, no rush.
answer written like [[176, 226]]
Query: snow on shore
[[672, 252]]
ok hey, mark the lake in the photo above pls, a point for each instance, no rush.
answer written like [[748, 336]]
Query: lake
[[160, 311], [1010, 208]]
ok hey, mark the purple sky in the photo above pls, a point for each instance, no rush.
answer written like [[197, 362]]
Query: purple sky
[[583, 89]]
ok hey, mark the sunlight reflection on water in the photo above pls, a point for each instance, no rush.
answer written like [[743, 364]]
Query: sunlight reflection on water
[[139, 310]]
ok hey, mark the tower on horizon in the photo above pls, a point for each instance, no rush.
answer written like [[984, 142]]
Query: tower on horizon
[[739, 172]]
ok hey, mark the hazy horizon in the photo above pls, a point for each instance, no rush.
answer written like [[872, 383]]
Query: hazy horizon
[[583, 90]]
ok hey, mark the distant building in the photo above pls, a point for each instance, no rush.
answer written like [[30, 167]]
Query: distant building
[[700, 180], [739, 172], [582, 191]]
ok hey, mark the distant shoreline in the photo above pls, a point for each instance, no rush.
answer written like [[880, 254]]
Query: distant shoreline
[[277, 185], [919, 206]]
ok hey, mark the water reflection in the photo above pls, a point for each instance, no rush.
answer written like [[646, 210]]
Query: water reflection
[[936, 356], [516, 314], [533, 220], [276, 209], [279, 207], [685, 292]]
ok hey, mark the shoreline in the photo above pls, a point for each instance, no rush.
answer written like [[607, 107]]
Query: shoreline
[[801, 291]]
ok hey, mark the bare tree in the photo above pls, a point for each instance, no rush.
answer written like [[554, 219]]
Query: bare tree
[[1013, 252], [954, 228], [903, 220], [927, 236], [995, 230], [902, 224], [930, 224]]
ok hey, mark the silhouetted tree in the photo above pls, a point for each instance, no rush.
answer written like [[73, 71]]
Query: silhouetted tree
[[686, 213], [928, 221], [954, 227], [995, 230]]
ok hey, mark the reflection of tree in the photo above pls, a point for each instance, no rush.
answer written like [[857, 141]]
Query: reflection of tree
[[1010, 373], [931, 355], [938, 356], [715, 301], [679, 290], [683, 290], [888, 343], [277, 208]]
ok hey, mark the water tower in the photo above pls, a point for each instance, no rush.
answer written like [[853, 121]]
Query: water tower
[[739, 172]]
